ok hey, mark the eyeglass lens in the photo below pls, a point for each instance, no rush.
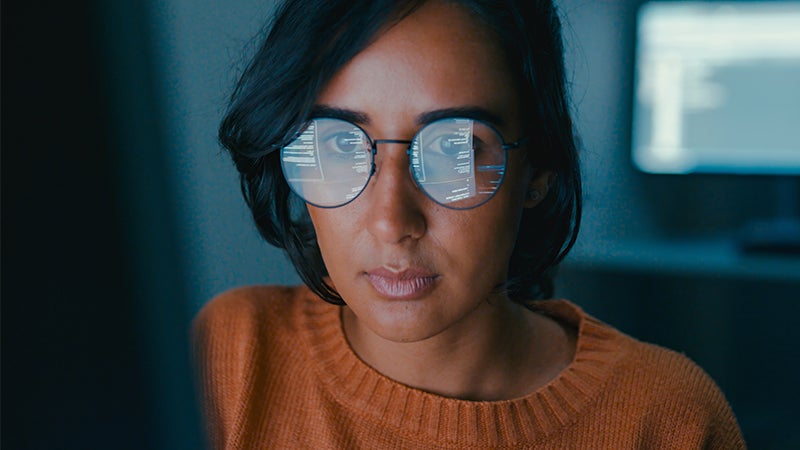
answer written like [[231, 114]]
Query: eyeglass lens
[[457, 162]]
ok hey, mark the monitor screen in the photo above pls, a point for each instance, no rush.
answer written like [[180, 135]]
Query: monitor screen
[[717, 88]]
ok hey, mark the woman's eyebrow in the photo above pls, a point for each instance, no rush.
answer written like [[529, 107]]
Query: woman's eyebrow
[[362, 118], [356, 117], [469, 112]]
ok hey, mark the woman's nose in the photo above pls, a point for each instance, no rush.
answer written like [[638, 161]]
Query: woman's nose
[[395, 211]]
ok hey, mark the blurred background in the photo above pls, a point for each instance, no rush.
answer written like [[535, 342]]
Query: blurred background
[[121, 217]]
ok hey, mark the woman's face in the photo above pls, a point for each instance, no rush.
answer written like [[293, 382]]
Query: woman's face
[[408, 268]]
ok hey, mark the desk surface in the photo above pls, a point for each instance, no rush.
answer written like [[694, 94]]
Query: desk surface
[[694, 257]]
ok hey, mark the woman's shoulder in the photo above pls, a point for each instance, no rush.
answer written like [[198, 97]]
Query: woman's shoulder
[[661, 366], [674, 399], [673, 380], [623, 362], [249, 313], [661, 393], [239, 336], [667, 373], [678, 399], [247, 303]]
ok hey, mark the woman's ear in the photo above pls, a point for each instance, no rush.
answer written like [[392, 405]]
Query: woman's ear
[[538, 188]]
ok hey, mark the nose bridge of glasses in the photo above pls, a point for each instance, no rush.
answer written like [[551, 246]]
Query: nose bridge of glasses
[[389, 141], [403, 142]]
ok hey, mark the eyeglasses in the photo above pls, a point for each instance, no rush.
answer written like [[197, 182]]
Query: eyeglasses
[[458, 162]]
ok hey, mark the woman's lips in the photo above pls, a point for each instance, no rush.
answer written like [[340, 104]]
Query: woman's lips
[[404, 285]]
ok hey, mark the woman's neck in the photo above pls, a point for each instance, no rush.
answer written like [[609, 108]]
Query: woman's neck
[[500, 351]]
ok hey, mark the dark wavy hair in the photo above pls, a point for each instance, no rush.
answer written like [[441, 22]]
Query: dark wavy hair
[[311, 40]]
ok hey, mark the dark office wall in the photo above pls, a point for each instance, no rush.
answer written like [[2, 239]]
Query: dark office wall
[[72, 376], [200, 48], [83, 345]]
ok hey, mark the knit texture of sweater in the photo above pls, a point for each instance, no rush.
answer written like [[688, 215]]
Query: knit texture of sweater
[[276, 371]]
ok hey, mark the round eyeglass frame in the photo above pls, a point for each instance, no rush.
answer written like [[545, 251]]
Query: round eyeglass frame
[[373, 150]]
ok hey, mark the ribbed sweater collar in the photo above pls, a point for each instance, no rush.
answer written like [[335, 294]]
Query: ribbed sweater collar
[[369, 394]]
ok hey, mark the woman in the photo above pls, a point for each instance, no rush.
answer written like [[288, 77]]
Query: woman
[[416, 161]]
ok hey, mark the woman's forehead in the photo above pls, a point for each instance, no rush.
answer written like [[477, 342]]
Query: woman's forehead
[[439, 56]]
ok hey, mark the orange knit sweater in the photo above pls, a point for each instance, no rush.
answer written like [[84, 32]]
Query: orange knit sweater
[[276, 372]]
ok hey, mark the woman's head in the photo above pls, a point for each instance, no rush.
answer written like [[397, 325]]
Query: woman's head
[[390, 63]]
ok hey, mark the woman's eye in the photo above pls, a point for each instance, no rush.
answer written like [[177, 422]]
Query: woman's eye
[[450, 144], [343, 142]]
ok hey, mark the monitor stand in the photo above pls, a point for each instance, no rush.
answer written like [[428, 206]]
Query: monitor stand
[[781, 233]]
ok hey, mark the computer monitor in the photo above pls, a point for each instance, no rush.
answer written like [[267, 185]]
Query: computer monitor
[[717, 88]]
